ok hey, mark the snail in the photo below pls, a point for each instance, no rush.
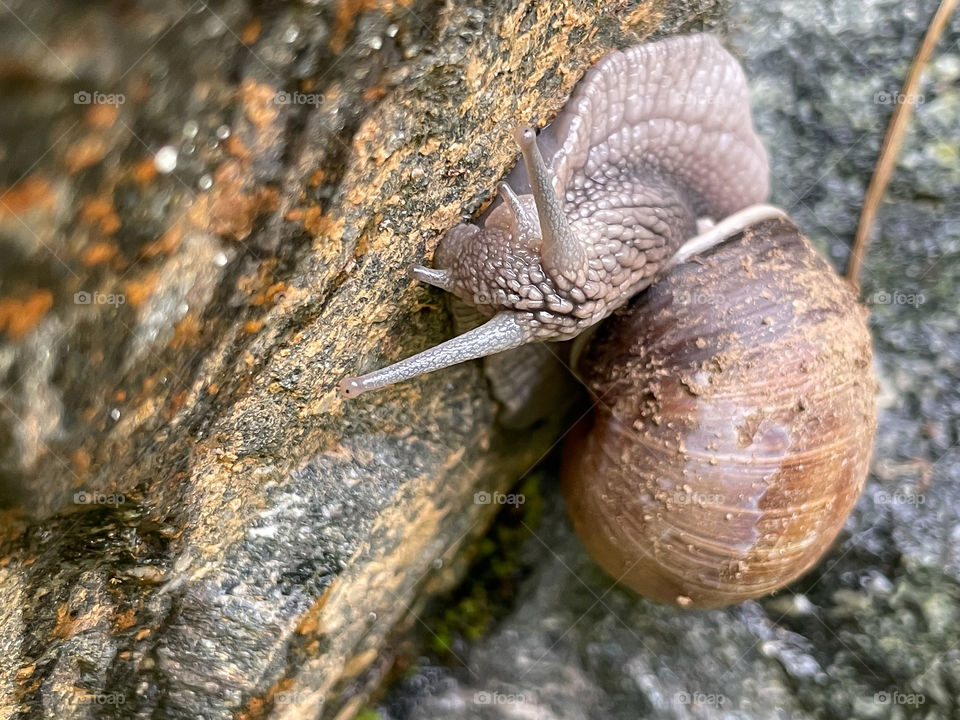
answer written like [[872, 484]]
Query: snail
[[730, 438], [653, 139]]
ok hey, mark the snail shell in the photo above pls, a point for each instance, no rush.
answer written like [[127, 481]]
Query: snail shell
[[733, 427]]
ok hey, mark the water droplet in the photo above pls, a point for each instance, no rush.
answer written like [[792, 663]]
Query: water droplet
[[214, 26], [166, 159], [223, 132]]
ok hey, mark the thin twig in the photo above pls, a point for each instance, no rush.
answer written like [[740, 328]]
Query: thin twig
[[903, 109]]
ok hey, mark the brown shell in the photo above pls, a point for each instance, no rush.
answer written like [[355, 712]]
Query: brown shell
[[734, 426]]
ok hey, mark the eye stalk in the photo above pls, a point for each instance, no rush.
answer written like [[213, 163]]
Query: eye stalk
[[561, 253], [499, 333]]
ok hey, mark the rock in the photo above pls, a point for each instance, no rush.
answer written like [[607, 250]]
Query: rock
[[865, 634], [206, 216]]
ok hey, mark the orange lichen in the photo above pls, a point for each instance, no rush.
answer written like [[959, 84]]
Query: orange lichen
[[187, 331], [227, 209], [310, 620], [270, 296], [259, 103], [347, 10], [32, 193], [362, 246], [317, 178], [97, 253], [255, 710], [176, 402], [165, 244], [101, 115], [251, 31], [70, 623], [99, 211], [65, 622], [374, 93], [20, 315], [474, 73], [87, 151], [144, 171], [236, 147], [314, 221], [124, 620], [81, 460], [137, 291], [643, 20]]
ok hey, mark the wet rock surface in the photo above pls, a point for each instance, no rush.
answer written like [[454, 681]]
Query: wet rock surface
[[206, 211], [872, 631]]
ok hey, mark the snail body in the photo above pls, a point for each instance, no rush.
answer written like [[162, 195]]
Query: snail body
[[731, 438], [655, 138]]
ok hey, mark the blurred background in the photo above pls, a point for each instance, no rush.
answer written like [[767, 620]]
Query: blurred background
[[205, 213]]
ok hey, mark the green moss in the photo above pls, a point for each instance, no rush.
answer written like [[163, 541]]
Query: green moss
[[489, 590]]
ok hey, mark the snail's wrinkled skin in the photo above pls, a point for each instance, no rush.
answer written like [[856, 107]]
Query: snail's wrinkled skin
[[654, 138]]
